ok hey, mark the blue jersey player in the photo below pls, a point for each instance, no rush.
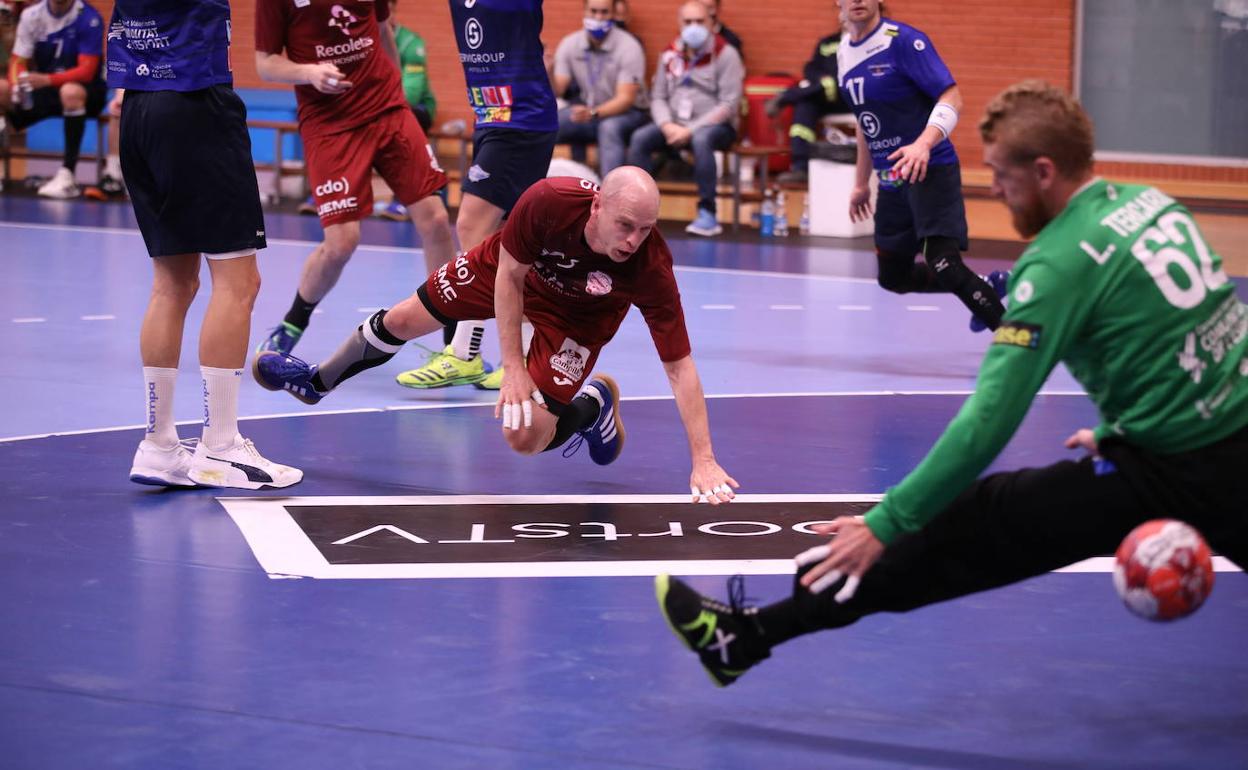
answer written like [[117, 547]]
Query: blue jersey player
[[187, 161], [55, 70], [500, 48], [907, 104]]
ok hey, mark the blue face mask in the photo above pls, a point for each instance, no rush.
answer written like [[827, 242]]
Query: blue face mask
[[694, 35], [598, 28]]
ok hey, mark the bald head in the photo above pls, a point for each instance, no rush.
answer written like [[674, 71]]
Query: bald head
[[624, 214]]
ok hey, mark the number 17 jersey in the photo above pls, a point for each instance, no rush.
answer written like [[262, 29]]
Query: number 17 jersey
[[892, 79]]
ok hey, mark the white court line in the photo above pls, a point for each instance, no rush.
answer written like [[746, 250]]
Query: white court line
[[29, 320], [367, 309], [853, 307], [719, 307], [463, 405], [409, 250], [97, 318], [786, 307], [922, 308]]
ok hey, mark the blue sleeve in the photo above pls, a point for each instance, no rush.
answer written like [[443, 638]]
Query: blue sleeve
[[920, 62], [90, 33]]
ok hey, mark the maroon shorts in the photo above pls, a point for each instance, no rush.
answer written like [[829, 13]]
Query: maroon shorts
[[340, 166], [463, 290]]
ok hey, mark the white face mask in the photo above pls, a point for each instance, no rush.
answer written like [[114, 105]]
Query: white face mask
[[694, 35], [597, 28]]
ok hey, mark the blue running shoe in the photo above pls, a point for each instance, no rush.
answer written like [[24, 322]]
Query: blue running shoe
[[281, 339], [997, 279], [274, 371], [394, 211], [606, 436]]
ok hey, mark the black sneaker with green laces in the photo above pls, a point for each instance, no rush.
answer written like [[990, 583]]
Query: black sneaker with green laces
[[726, 637]]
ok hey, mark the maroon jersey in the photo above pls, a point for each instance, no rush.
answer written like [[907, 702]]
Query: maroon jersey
[[588, 291], [344, 33]]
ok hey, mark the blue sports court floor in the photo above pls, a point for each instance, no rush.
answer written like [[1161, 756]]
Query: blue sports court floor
[[427, 599]]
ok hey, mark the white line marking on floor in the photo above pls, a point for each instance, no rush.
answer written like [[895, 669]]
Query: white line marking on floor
[[98, 318], [719, 307], [462, 405], [29, 320], [787, 307], [853, 307], [367, 309], [922, 308]]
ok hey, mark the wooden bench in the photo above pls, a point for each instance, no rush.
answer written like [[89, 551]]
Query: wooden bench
[[8, 152]]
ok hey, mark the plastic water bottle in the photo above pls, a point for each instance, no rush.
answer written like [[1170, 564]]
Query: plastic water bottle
[[781, 227], [25, 92], [804, 225], [767, 221]]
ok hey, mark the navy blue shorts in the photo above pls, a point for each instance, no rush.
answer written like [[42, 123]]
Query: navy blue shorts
[[186, 157], [506, 162], [906, 214]]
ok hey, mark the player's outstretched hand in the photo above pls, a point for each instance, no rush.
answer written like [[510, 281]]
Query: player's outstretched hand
[[516, 399], [860, 203], [850, 554], [911, 162], [1085, 438], [327, 78], [711, 483]]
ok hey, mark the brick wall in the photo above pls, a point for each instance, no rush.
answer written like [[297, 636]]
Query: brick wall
[[988, 44]]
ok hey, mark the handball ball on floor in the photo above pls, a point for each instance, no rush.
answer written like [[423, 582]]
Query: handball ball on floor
[[1163, 570]]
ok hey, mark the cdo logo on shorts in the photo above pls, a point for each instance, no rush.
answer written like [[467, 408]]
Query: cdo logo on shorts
[[342, 187], [142, 70]]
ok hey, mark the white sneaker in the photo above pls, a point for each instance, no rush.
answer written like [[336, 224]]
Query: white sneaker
[[163, 466], [239, 466], [61, 185]]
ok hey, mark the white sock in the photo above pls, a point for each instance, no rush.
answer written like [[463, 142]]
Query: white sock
[[526, 337], [158, 383], [220, 406], [112, 166], [466, 344]]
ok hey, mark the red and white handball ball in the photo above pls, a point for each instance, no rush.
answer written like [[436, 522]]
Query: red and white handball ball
[[1164, 570]]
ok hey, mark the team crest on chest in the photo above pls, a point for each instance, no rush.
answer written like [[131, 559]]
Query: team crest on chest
[[598, 283]]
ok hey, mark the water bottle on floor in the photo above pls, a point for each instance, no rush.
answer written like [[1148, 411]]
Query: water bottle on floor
[[804, 225], [767, 220], [781, 227]]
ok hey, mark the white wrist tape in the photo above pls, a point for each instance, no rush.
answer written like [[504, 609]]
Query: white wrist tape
[[944, 117]]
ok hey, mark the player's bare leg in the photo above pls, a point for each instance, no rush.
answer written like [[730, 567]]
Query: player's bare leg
[[434, 226], [372, 344], [460, 362]]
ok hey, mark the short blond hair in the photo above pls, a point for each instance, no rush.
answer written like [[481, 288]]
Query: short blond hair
[[1033, 119]]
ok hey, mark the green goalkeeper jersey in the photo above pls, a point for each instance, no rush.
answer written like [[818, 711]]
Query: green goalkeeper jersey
[[1122, 288]]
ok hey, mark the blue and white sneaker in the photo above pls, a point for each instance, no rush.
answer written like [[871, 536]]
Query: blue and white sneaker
[[282, 339], [606, 436], [997, 279], [274, 371], [159, 466], [394, 211], [704, 224], [239, 466]]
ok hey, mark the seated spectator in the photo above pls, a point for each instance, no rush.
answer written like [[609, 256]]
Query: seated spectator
[[694, 100], [815, 95], [54, 69], [721, 29], [607, 68]]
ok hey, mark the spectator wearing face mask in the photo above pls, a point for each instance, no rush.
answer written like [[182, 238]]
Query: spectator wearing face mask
[[694, 101], [607, 68], [721, 29]]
